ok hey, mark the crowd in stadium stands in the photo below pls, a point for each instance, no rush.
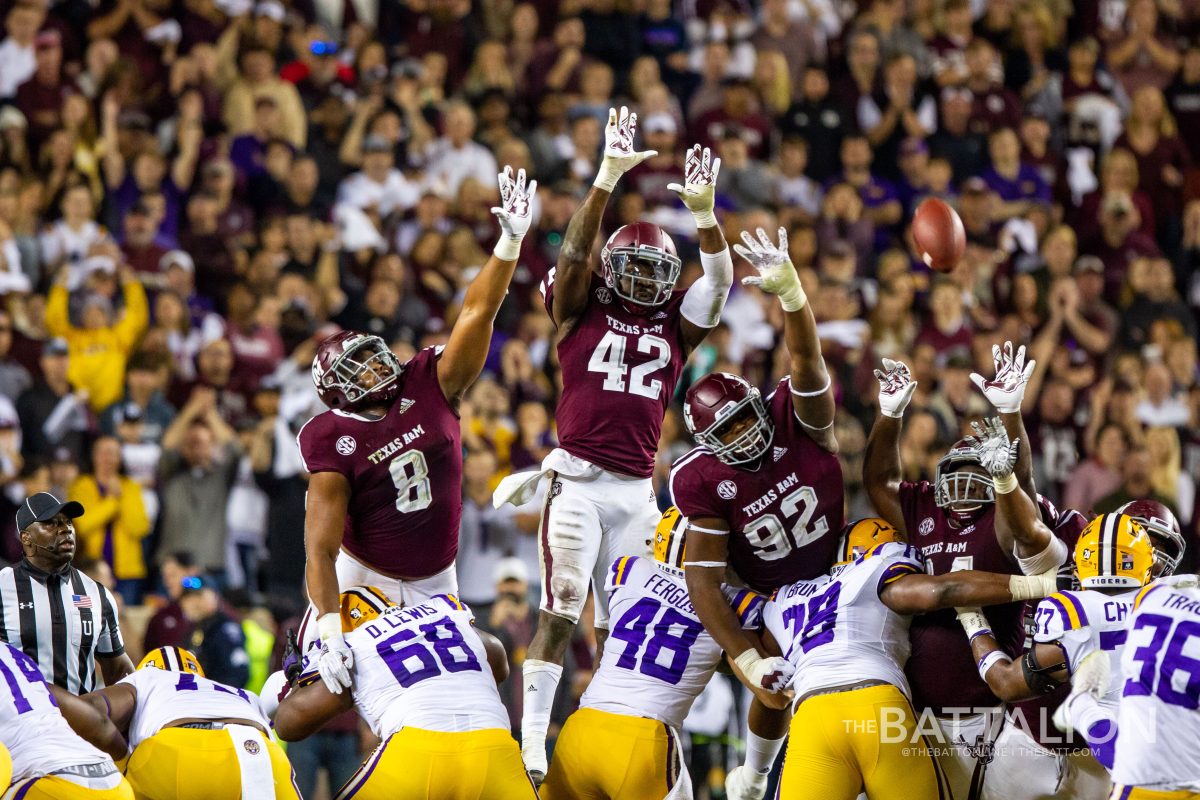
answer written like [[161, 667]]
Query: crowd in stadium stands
[[194, 193]]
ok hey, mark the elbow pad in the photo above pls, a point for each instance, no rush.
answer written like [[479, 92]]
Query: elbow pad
[[705, 299], [1037, 677], [1049, 559]]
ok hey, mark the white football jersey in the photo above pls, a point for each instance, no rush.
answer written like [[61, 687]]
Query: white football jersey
[[31, 727], [835, 630], [164, 696], [658, 657], [1084, 622], [1158, 718], [422, 666]]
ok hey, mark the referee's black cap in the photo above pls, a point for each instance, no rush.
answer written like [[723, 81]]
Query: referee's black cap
[[42, 507]]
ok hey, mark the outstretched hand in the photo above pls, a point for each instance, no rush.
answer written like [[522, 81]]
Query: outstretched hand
[[619, 155]]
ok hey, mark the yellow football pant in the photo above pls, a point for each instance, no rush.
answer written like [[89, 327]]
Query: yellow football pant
[[5, 767], [53, 787], [603, 756], [842, 744], [195, 764], [1134, 793], [432, 765]]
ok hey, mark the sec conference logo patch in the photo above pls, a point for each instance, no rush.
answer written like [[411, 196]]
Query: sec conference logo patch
[[603, 295], [346, 445], [926, 526], [727, 490]]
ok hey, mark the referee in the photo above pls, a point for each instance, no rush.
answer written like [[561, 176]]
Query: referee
[[59, 617]]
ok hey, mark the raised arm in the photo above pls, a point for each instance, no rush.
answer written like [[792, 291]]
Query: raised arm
[[1019, 526], [325, 507], [811, 387], [1006, 392], [704, 570], [704, 300], [881, 460], [573, 272], [471, 337]]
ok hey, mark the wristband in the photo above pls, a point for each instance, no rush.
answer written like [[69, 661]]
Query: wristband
[[972, 620], [1005, 484], [990, 660], [747, 660], [508, 248], [1033, 587], [794, 299], [982, 632], [607, 177], [705, 219], [329, 626]]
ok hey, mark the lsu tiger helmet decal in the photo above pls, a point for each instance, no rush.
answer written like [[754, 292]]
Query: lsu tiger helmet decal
[[1114, 551]]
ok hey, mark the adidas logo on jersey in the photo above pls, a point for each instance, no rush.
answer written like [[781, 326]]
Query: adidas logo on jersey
[[660, 315], [778, 453], [406, 404]]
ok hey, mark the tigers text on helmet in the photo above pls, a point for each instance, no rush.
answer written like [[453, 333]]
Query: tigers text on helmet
[[714, 406], [860, 536], [1165, 534], [640, 264], [961, 492], [669, 538], [172, 659], [1114, 551], [344, 360], [359, 605]]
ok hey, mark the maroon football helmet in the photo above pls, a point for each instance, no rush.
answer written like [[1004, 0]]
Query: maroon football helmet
[[717, 402], [961, 493], [344, 359], [640, 264], [1164, 530]]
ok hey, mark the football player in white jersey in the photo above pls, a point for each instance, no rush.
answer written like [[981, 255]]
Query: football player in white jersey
[[41, 755], [1149, 742], [1113, 561], [846, 634], [191, 738], [425, 682], [656, 662]]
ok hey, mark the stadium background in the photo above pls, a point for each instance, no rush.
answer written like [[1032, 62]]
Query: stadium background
[[194, 193]]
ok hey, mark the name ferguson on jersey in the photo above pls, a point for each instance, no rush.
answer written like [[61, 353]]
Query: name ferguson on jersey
[[771, 496], [396, 444]]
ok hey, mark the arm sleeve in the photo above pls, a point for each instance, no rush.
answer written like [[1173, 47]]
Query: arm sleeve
[[705, 299]]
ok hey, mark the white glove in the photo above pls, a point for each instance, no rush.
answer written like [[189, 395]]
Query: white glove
[[896, 388], [699, 188], [772, 674], [1089, 683], [745, 784], [996, 454], [776, 273], [619, 155], [336, 658], [1092, 675], [514, 213], [1006, 391]]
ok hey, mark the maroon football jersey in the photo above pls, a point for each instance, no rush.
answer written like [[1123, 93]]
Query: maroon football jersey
[[619, 371], [785, 516], [941, 670], [1039, 711], [405, 473]]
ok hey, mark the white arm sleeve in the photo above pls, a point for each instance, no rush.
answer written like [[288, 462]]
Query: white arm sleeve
[[1054, 556], [706, 297]]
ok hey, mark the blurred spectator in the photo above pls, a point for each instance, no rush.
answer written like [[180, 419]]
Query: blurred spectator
[[198, 466], [52, 415], [14, 378], [216, 638], [487, 534], [1100, 474], [257, 79], [1142, 56], [18, 59], [116, 521], [1136, 483]]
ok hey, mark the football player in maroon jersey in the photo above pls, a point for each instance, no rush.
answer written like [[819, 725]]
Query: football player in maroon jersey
[[623, 338], [762, 492], [954, 523], [385, 497]]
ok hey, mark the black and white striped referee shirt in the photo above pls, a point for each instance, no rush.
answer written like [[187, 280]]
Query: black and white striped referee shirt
[[62, 621]]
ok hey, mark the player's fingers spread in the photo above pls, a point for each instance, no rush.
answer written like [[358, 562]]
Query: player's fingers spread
[[531, 190], [752, 281], [716, 168], [765, 240], [751, 245]]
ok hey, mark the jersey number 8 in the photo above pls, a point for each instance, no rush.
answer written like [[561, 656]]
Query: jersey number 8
[[410, 475], [772, 541]]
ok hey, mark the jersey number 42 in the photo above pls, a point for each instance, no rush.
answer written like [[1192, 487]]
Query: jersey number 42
[[608, 359]]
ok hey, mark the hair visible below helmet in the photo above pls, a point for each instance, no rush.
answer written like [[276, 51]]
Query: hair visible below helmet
[[172, 659], [362, 604], [715, 401], [641, 243], [860, 536], [959, 491], [338, 366], [1165, 534], [1114, 552], [669, 538]]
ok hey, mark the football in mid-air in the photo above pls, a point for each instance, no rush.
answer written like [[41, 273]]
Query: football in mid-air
[[939, 235]]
